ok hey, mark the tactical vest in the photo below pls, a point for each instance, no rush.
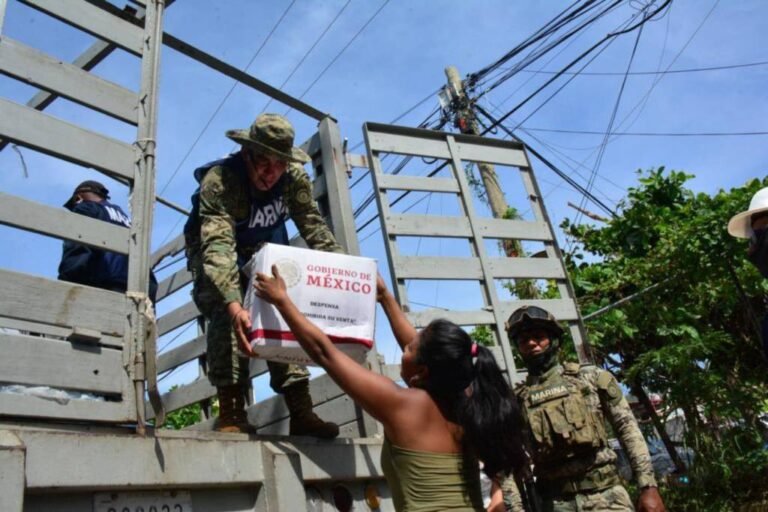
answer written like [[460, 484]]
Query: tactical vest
[[562, 423], [265, 222]]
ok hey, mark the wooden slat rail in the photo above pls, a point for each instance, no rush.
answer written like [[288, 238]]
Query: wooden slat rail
[[28, 127], [95, 21], [177, 318], [67, 80], [418, 183], [173, 283], [62, 304], [83, 410], [60, 223], [36, 361], [182, 354]]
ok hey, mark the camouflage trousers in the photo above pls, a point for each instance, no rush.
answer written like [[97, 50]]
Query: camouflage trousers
[[225, 365], [613, 498]]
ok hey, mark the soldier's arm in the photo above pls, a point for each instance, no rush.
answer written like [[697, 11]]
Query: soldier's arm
[[627, 430], [217, 235], [506, 491], [305, 213]]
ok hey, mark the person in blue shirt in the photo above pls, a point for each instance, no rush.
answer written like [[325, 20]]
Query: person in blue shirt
[[95, 267]]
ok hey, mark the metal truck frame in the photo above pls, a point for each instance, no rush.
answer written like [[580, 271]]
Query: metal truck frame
[[104, 454]]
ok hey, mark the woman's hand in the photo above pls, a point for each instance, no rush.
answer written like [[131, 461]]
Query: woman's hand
[[381, 288], [271, 289]]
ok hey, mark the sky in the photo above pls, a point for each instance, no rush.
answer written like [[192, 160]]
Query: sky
[[384, 60]]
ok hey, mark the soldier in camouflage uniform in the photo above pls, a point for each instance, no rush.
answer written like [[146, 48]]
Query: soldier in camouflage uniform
[[244, 201], [565, 408]]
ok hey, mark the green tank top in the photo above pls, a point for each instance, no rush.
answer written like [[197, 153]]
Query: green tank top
[[431, 482]]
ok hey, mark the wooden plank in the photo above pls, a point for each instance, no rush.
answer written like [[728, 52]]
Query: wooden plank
[[428, 225], [469, 152], [60, 223], [173, 283], [95, 21], [199, 390], [563, 309], [513, 229], [28, 127], [418, 183], [172, 248], [339, 410], [403, 144], [38, 69], [60, 303], [423, 267], [420, 319], [131, 462], [12, 404], [177, 318], [35, 361], [54, 331], [182, 354], [526, 268], [241, 76]]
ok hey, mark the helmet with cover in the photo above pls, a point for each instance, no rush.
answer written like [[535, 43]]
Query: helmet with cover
[[527, 318]]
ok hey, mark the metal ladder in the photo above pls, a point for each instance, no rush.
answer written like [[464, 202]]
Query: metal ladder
[[456, 150]]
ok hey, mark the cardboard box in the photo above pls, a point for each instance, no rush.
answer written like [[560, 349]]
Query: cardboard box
[[334, 291]]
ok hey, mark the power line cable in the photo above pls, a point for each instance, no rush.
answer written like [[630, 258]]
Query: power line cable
[[602, 41], [301, 61], [669, 72], [601, 153], [225, 98], [650, 134], [548, 163], [341, 52]]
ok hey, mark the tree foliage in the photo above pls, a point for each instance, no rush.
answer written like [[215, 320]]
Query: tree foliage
[[690, 333]]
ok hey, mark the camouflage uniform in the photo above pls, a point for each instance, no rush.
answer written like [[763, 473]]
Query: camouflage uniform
[[234, 219], [565, 410]]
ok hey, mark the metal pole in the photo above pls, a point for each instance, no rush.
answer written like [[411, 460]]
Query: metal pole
[[142, 194], [3, 5]]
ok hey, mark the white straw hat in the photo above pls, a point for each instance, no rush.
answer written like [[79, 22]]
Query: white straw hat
[[740, 224]]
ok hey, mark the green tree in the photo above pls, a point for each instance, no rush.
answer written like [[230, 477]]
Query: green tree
[[693, 337]]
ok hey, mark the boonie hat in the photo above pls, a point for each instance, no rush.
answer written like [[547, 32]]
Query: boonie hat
[[273, 134], [532, 316], [87, 186], [740, 224]]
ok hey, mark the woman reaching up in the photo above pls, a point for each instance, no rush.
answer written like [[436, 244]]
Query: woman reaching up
[[456, 410]]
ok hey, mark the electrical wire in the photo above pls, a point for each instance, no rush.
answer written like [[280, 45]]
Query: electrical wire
[[650, 134], [341, 52], [601, 153], [225, 98], [301, 61], [668, 72]]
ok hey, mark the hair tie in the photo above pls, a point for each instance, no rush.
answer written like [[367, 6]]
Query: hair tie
[[473, 350]]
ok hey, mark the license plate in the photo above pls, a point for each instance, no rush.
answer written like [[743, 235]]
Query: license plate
[[170, 501]]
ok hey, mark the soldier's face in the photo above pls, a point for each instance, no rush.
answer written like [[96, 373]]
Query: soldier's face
[[265, 170], [532, 342]]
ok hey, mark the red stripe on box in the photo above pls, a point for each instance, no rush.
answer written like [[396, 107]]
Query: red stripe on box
[[288, 336]]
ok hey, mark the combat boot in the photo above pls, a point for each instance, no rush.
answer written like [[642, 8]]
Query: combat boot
[[232, 416], [304, 422]]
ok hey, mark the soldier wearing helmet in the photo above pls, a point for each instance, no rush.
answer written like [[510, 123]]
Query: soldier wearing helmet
[[565, 408]]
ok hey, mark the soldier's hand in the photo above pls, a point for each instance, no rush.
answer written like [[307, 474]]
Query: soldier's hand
[[650, 501], [241, 325]]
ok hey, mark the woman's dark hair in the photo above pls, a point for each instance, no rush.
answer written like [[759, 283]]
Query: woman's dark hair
[[473, 393]]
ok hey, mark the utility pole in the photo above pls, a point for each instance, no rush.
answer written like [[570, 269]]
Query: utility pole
[[465, 120]]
